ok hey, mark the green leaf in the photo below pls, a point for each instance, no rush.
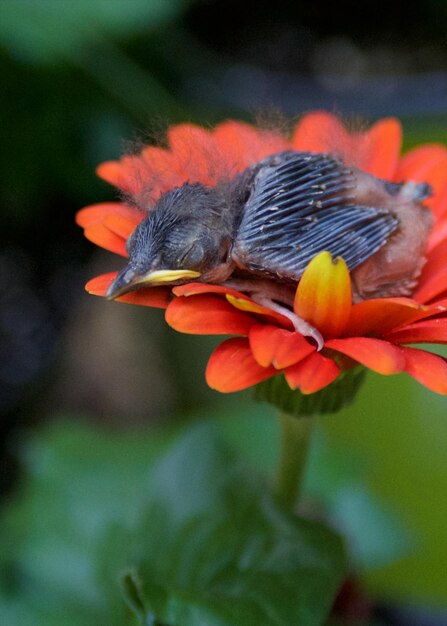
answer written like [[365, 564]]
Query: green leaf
[[192, 535], [79, 481], [329, 400], [212, 547], [48, 30]]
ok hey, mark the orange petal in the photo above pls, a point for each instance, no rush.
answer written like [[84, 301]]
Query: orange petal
[[319, 131], [98, 286], [232, 367], [163, 170], [147, 175], [207, 315], [376, 150], [109, 224], [426, 164], [97, 213], [103, 237], [323, 297], [436, 258], [312, 373], [428, 369], [380, 356], [156, 297], [120, 225], [376, 317], [428, 331], [114, 173], [236, 298], [242, 144], [432, 284], [275, 346], [439, 202], [195, 154], [383, 144], [440, 305], [130, 174], [438, 234], [441, 299]]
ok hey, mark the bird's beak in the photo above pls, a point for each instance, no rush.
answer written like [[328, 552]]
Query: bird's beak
[[129, 280]]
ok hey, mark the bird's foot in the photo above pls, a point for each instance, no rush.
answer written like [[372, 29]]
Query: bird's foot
[[300, 325], [268, 294]]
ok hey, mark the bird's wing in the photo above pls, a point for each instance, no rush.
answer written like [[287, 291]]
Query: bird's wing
[[301, 204]]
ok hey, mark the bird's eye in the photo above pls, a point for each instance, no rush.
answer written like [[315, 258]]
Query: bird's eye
[[193, 257]]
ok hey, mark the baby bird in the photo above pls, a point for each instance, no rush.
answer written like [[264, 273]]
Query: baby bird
[[258, 231]]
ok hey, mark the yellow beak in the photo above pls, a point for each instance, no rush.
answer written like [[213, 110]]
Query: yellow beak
[[128, 280], [161, 277]]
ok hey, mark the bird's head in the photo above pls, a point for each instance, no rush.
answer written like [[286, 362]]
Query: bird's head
[[187, 237]]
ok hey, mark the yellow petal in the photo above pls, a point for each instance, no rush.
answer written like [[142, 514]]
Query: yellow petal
[[245, 305], [324, 297]]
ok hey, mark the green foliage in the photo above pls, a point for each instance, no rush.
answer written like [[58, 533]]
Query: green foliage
[[336, 481], [193, 535], [78, 482], [48, 30], [75, 90], [90, 502], [216, 550], [399, 429], [379, 467], [420, 130]]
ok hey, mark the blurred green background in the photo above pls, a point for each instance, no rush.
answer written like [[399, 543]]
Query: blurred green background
[[87, 388]]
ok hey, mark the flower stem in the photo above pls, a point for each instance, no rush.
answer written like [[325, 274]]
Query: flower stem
[[295, 437]]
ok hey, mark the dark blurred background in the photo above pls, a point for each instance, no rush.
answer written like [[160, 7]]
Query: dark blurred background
[[80, 80]]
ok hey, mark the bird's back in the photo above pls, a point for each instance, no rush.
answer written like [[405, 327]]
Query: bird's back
[[299, 204]]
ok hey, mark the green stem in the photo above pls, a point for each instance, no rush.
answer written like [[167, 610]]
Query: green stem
[[295, 437]]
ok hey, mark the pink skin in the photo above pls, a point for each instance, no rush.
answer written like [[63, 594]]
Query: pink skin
[[394, 270]]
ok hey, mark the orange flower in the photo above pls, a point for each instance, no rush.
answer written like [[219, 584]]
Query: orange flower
[[373, 333]]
